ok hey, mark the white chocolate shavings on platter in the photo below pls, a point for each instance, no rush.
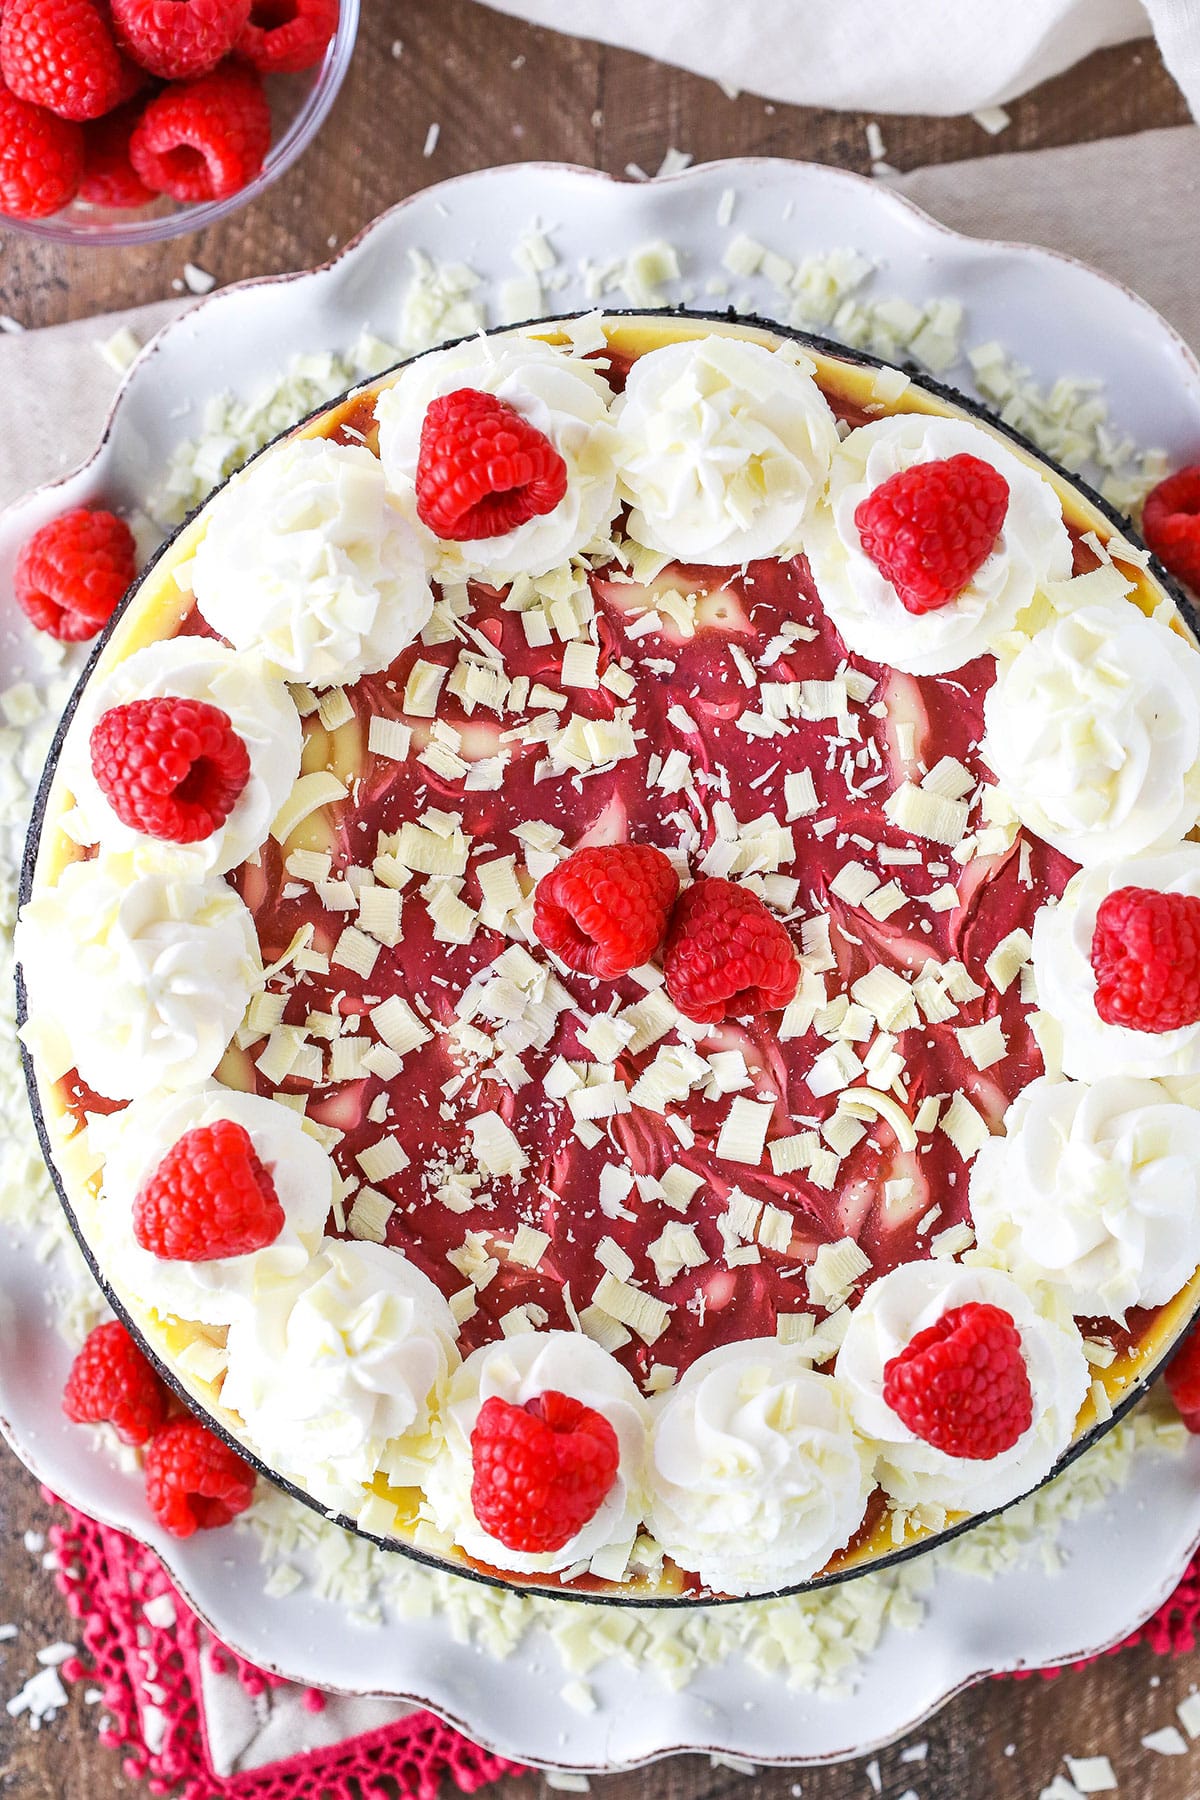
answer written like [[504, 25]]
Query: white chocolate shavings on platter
[[831, 292], [814, 1642]]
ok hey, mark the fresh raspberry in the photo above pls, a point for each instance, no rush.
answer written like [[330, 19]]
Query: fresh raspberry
[[194, 1481], [286, 36], [727, 955], [482, 469], [604, 910], [962, 1384], [41, 159], [111, 1381], [1183, 1381], [72, 573], [204, 139], [179, 39], [1146, 959], [109, 178], [927, 529], [170, 767], [209, 1197], [61, 54], [1171, 523], [541, 1470]]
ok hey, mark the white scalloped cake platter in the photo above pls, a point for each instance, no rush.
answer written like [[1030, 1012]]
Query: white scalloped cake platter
[[1121, 1560]]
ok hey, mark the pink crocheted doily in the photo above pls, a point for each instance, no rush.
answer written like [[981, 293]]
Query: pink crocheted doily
[[109, 1579]]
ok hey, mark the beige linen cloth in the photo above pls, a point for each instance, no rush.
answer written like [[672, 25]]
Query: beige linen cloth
[[1127, 205]]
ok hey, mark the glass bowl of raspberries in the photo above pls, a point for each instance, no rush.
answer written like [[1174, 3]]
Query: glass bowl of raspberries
[[129, 121]]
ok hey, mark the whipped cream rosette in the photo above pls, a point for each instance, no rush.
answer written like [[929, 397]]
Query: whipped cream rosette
[[136, 980], [307, 560], [561, 396], [913, 1298], [338, 1371], [724, 449], [217, 1290], [1092, 1047], [1033, 548], [249, 691], [1094, 1189], [518, 1370], [757, 1475], [1093, 731]]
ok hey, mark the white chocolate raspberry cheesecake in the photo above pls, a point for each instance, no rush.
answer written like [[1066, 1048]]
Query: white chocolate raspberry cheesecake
[[613, 961]]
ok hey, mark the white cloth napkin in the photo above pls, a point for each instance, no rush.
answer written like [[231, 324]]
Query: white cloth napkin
[[910, 56]]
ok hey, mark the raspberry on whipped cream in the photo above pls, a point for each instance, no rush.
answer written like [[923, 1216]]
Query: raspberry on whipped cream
[[1095, 1191], [563, 398], [337, 1372], [260, 710], [1033, 548], [138, 981], [1090, 1047], [908, 1300], [1093, 732], [133, 1144], [518, 1369], [307, 560], [724, 448], [756, 1473]]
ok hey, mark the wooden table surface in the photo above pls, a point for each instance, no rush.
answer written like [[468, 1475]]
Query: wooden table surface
[[503, 92]]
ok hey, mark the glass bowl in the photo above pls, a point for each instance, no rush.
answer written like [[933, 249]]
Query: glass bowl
[[299, 105]]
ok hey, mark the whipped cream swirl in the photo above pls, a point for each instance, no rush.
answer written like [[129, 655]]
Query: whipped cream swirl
[[724, 449], [1033, 547], [138, 981], [1093, 732], [258, 707], [1066, 982], [308, 560], [756, 1474], [133, 1143], [913, 1297], [518, 1369], [560, 395], [1095, 1191], [340, 1370]]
